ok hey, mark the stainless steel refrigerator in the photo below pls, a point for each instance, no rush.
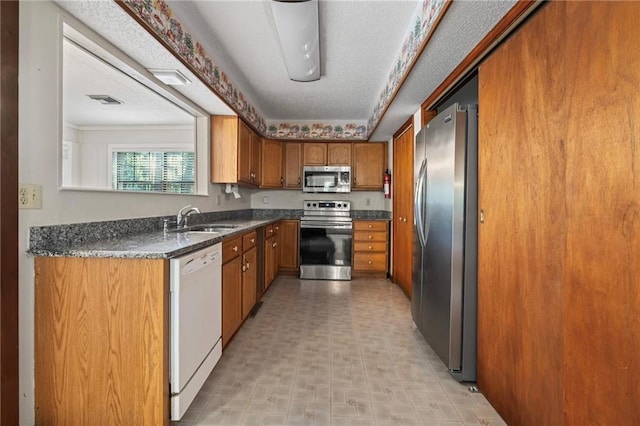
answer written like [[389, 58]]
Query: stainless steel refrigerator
[[444, 277]]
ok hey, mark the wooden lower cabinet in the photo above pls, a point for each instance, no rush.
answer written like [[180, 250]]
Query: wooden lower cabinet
[[249, 272], [289, 239], [370, 248], [239, 282], [101, 341], [270, 254], [231, 287]]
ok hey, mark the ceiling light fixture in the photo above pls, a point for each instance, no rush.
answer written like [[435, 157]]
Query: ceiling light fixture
[[170, 77], [297, 26]]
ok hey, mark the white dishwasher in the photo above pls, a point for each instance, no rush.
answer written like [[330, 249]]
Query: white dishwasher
[[196, 323]]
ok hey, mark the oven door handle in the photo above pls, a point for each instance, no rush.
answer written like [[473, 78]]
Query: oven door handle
[[325, 225]]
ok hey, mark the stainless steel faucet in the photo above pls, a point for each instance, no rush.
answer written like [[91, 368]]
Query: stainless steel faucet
[[181, 217]]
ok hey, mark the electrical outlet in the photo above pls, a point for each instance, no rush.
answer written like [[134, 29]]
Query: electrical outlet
[[29, 196], [265, 200], [368, 201]]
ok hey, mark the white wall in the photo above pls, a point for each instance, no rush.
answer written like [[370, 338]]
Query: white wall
[[293, 199], [94, 143], [40, 130]]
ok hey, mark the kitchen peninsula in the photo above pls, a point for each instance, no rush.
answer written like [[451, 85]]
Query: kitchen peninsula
[[102, 307]]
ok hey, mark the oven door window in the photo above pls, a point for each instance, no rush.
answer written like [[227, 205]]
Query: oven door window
[[320, 246]]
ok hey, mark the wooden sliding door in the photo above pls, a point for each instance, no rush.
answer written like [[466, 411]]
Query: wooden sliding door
[[559, 249]]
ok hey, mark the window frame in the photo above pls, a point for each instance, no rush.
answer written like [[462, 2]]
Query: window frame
[[115, 148]]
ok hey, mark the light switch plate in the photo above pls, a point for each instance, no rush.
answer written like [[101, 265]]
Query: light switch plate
[[29, 196]]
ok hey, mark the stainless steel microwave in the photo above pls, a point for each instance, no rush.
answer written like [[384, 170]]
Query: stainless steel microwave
[[326, 179]]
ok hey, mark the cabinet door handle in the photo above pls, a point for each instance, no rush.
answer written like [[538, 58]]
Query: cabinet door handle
[[247, 265], [243, 268], [298, 179], [253, 240], [274, 245], [281, 181], [235, 248]]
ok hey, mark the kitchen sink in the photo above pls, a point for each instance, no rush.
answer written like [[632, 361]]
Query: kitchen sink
[[210, 228]]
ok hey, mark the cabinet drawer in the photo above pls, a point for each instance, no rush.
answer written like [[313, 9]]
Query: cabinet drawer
[[269, 231], [231, 247], [374, 262], [374, 225], [373, 246], [369, 236], [249, 240]]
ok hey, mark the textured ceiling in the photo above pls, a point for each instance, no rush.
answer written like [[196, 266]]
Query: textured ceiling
[[84, 75], [360, 41]]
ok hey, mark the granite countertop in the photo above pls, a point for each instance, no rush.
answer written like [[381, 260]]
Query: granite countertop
[[155, 244], [145, 238]]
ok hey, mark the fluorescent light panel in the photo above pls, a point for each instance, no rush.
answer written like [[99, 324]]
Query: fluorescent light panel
[[170, 77], [297, 26]]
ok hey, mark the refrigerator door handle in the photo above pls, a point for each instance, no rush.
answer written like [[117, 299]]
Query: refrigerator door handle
[[427, 215], [418, 207]]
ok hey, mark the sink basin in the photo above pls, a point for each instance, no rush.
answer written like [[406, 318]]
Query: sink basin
[[209, 228]]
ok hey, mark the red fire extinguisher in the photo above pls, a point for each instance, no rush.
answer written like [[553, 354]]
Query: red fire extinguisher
[[387, 184]]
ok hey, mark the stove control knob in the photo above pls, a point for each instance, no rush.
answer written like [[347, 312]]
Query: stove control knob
[[314, 204], [308, 204]]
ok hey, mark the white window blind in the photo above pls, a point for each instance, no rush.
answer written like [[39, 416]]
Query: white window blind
[[172, 172]]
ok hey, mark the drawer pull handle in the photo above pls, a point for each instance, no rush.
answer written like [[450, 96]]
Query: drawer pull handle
[[370, 236], [370, 226], [370, 262], [370, 248]]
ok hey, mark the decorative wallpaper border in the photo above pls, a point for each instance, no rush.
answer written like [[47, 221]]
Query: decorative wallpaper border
[[413, 43], [316, 130], [159, 19]]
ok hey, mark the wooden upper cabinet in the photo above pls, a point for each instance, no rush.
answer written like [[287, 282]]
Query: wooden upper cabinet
[[327, 154], [292, 165], [256, 160], [245, 145], [339, 154], [235, 151], [369, 164], [315, 154], [271, 164]]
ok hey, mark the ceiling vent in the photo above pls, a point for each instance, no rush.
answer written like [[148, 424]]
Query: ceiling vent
[[105, 99]]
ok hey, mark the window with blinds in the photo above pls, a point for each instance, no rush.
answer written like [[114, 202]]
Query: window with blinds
[[170, 172]]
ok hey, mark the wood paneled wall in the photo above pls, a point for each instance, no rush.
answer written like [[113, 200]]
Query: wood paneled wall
[[559, 251]]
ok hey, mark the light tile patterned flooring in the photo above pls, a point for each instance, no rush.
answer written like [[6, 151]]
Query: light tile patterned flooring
[[334, 353]]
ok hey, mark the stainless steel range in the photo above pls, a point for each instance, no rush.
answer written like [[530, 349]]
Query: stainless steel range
[[326, 234]]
